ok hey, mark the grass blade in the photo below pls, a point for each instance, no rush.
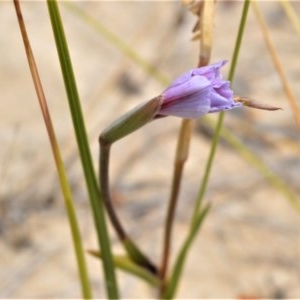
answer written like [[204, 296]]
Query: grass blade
[[222, 114], [65, 187], [84, 150], [180, 260], [126, 264]]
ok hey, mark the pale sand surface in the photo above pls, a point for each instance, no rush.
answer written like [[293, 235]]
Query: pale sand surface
[[249, 244]]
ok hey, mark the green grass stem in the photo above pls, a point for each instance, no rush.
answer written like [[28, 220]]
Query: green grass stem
[[64, 183], [173, 284], [126, 264], [219, 125], [200, 213], [84, 150]]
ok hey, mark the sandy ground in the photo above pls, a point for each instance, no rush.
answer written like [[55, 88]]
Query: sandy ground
[[249, 244]]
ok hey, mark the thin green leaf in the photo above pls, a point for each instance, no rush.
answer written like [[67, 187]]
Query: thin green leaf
[[126, 264], [84, 150], [65, 187], [181, 258], [219, 125], [198, 216]]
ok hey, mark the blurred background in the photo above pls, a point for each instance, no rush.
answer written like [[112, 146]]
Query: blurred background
[[249, 244]]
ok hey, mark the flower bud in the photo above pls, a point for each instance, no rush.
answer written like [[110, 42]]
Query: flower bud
[[198, 92]]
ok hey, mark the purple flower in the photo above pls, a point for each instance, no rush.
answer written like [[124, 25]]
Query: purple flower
[[198, 92]]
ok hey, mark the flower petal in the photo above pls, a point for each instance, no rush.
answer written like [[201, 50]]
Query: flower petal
[[181, 79], [195, 84], [223, 89], [220, 103], [211, 72], [190, 107], [198, 92]]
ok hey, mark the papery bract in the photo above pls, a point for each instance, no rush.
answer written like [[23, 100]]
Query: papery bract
[[198, 92]]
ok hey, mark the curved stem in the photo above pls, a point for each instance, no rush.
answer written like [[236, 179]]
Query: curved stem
[[104, 184], [133, 251]]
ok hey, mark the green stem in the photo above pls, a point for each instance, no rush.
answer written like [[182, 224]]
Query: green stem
[[126, 264], [140, 61], [238, 41], [173, 284], [206, 19], [121, 127], [104, 185], [133, 251], [200, 213], [222, 114], [82, 141], [77, 242]]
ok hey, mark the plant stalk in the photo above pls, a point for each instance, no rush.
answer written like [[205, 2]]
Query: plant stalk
[[65, 187], [84, 150], [181, 157]]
